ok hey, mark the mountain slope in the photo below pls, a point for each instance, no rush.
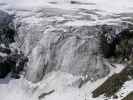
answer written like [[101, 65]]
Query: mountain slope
[[62, 40]]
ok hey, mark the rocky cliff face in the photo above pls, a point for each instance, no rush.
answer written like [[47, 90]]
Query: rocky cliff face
[[11, 60]]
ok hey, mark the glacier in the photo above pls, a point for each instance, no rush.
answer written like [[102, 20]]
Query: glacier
[[60, 38]]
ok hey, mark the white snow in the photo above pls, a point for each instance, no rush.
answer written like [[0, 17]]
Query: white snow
[[106, 6], [64, 84], [102, 7], [126, 89], [65, 87], [12, 90]]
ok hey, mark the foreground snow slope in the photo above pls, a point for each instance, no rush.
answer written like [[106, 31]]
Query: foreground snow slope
[[63, 84]]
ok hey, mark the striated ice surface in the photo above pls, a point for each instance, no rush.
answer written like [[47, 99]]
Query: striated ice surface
[[62, 46]]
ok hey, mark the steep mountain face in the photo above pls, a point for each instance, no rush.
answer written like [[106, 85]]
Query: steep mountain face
[[71, 51]]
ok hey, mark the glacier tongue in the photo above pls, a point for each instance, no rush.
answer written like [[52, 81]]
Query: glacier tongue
[[68, 49]]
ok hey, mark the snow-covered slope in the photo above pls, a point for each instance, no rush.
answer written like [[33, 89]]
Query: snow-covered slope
[[102, 7], [54, 34]]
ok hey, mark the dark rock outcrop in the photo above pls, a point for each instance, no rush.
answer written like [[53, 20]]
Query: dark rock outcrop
[[7, 30], [13, 62], [114, 83], [123, 43], [110, 40], [5, 50], [129, 96], [5, 68], [20, 61], [107, 41]]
